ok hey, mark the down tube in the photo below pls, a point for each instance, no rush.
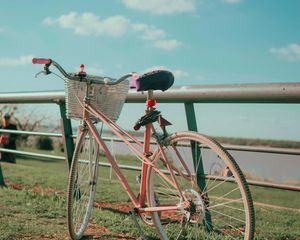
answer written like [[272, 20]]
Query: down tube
[[113, 163]]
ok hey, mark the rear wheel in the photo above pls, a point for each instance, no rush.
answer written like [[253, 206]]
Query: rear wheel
[[82, 184], [212, 195]]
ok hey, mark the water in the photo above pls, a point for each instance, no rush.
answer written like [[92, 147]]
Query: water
[[278, 168]]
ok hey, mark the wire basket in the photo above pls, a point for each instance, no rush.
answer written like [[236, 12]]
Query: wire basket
[[108, 99]]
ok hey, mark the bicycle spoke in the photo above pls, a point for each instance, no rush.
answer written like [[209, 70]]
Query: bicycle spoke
[[226, 215], [226, 194], [233, 208], [219, 184], [218, 209], [81, 190], [167, 192], [225, 203]]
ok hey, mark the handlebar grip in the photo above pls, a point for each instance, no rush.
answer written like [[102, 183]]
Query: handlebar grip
[[41, 61]]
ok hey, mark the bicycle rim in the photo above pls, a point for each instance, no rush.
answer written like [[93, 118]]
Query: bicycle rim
[[219, 201], [82, 184]]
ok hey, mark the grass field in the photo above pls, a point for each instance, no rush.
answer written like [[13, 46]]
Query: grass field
[[34, 205]]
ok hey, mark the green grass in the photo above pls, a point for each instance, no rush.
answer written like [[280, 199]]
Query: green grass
[[39, 210], [28, 215]]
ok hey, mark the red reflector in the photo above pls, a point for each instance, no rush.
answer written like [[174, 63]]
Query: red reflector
[[136, 127], [151, 103]]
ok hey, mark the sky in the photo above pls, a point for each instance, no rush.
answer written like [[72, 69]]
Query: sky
[[201, 42]]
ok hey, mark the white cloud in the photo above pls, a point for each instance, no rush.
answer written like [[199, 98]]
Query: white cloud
[[156, 36], [2, 30], [12, 62], [89, 24], [148, 32], [232, 1], [290, 53], [167, 45], [162, 6]]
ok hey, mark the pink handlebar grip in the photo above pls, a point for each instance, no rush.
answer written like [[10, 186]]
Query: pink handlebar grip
[[41, 60]]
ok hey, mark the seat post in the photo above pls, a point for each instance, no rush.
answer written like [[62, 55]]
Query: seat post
[[150, 101], [150, 94]]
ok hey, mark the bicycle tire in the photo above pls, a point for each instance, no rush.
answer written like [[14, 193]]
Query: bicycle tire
[[203, 219], [82, 184]]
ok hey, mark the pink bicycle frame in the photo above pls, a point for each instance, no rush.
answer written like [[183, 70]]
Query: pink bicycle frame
[[144, 154]]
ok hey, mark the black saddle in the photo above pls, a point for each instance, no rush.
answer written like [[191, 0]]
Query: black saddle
[[155, 80]]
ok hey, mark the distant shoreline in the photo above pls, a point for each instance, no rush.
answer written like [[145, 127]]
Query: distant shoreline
[[259, 142]]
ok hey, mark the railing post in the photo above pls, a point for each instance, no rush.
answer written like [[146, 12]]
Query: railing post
[[67, 133], [190, 116], [192, 126], [2, 183]]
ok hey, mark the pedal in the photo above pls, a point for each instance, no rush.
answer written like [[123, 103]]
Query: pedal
[[134, 217]]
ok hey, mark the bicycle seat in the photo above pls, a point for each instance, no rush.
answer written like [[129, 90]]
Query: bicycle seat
[[155, 80]]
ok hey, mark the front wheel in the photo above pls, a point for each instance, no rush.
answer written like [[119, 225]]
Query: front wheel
[[82, 184], [199, 177]]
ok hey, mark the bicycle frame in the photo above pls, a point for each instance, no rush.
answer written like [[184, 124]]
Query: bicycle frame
[[138, 202], [192, 203]]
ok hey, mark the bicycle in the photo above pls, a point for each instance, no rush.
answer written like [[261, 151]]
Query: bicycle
[[177, 196]]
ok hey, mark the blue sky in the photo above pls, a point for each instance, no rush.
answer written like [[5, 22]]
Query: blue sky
[[202, 42]]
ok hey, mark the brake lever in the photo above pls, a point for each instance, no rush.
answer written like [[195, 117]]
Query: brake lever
[[43, 71], [46, 71]]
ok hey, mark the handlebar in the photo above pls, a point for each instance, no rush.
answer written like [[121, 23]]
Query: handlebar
[[41, 61], [78, 77]]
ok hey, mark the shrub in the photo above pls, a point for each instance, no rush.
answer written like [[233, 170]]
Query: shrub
[[44, 143]]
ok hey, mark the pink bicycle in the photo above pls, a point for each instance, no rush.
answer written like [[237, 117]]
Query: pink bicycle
[[180, 195]]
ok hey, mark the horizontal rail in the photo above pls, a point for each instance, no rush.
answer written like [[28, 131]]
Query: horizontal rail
[[257, 183], [31, 155], [231, 93], [44, 134], [227, 147], [217, 178], [33, 97], [288, 151]]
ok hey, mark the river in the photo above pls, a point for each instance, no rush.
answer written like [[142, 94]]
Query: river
[[278, 168]]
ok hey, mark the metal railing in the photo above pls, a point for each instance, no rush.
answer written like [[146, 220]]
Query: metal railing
[[188, 95], [231, 93]]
